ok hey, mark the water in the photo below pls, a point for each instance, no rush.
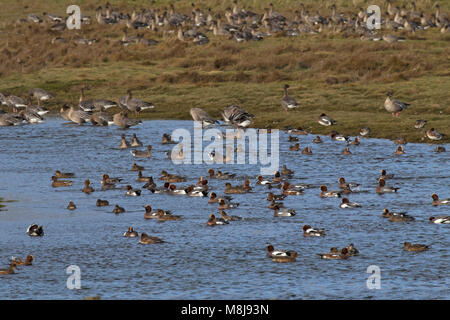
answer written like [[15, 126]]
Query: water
[[224, 262]]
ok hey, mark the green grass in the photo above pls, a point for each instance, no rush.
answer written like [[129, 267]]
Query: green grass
[[340, 75]]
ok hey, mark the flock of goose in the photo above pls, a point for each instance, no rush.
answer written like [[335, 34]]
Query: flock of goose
[[245, 25]]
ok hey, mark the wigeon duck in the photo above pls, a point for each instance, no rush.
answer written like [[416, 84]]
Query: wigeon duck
[[271, 196], [385, 176], [171, 177], [191, 192], [415, 247], [295, 147], [352, 251], [35, 231], [347, 204], [130, 233], [383, 188], [149, 214], [213, 198], [106, 179], [285, 171], [71, 206], [289, 189], [27, 262], [437, 202], [273, 204], [229, 189], [338, 137], [212, 221], [309, 231], [163, 189], [10, 270], [439, 149], [387, 214], [355, 142], [394, 106], [135, 142], [124, 144], [202, 184], [433, 134], [60, 183], [400, 217], [225, 204], [167, 139], [342, 255], [307, 150], [174, 191], [299, 131], [325, 120], [118, 209], [440, 220], [150, 184], [283, 212], [87, 188], [142, 178], [146, 239], [346, 151], [344, 185], [132, 192], [142, 154], [281, 255], [329, 194], [399, 150], [102, 203], [225, 175], [164, 216], [364, 132], [211, 174], [135, 167], [420, 124], [277, 177], [292, 139], [288, 102], [317, 139], [260, 180], [226, 217], [60, 174], [400, 140]]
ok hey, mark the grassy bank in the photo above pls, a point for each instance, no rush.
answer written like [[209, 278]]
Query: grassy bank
[[333, 73]]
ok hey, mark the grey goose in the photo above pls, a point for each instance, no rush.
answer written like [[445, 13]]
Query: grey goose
[[288, 102], [394, 106]]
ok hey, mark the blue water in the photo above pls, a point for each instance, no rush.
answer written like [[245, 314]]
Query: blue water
[[223, 262]]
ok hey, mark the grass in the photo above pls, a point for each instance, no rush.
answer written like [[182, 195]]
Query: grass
[[333, 73]]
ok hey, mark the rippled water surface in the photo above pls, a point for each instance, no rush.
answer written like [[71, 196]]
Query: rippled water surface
[[224, 262]]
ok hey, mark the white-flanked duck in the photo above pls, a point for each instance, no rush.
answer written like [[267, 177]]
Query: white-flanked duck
[[213, 221], [324, 193], [437, 201], [35, 231], [132, 192], [440, 220], [433, 134], [283, 212], [309, 231], [281, 255], [383, 188], [325, 120], [347, 204]]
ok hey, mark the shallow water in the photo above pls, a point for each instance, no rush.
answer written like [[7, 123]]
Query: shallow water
[[223, 262]]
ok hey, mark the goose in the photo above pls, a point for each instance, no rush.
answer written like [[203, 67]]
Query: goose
[[202, 117], [136, 105], [35, 231], [135, 142], [11, 119], [415, 247], [288, 102], [40, 110], [142, 154], [64, 112], [325, 120], [85, 104], [433, 134], [237, 116], [53, 17], [394, 106], [40, 94], [391, 38], [79, 116], [122, 121], [31, 117], [102, 118], [34, 18], [15, 101]]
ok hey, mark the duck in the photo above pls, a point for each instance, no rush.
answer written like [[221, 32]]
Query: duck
[[229, 189], [288, 189], [339, 255], [71, 206], [329, 194], [281, 255], [124, 144], [226, 217], [150, 184], [136, 167], [10, 270], [400, 140], [383, 188], [142, 178], [387, 214], [60, 183], [135, 141], [132, 192], [225, 175], [439, 149], [433, 134], [171, 177], [420, 124], [213, 198], [285, 171], [385, 176], [283, 212], [394, 106], [298, 131], [191, 192], [317, 139], [35, 231], [226, 204], [440, 219], [415, 247], [27, 262], [307, 150], [167, 139], [102, 203], [130, 233], [344, 185], [273, 204], [364, 132], [87, 188], [288, 102], [146, 239], [271, 196], [160, 190], [437, 202], [400, 217], [338, 137], [352, 251], [142, 154], [399, 150], [347, 204], [60, 174], [309, 231], [164, 216], [292, 139], [355, 142], [118, 209], [212, 221], [325, 120], [346, 151], [295, 147], [260, 180]]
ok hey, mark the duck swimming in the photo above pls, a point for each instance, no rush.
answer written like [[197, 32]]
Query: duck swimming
[[60, 183], [35, 231], [342, 255], [415, 247], [437, 202], [132, 192], [309, 231], [124, 144], [118, 209], [146, 239], [329, 194], [347, 204], [135, 167], [87, 188], [10, 270], [212, 221], [27, 262], [102, 203], [71, 206], [142, 154], [226, 217], [283, 212], [383, 188], [135, 141], [58, 174], [440, 219], [130, 233], [399, 150], [281, 255]]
